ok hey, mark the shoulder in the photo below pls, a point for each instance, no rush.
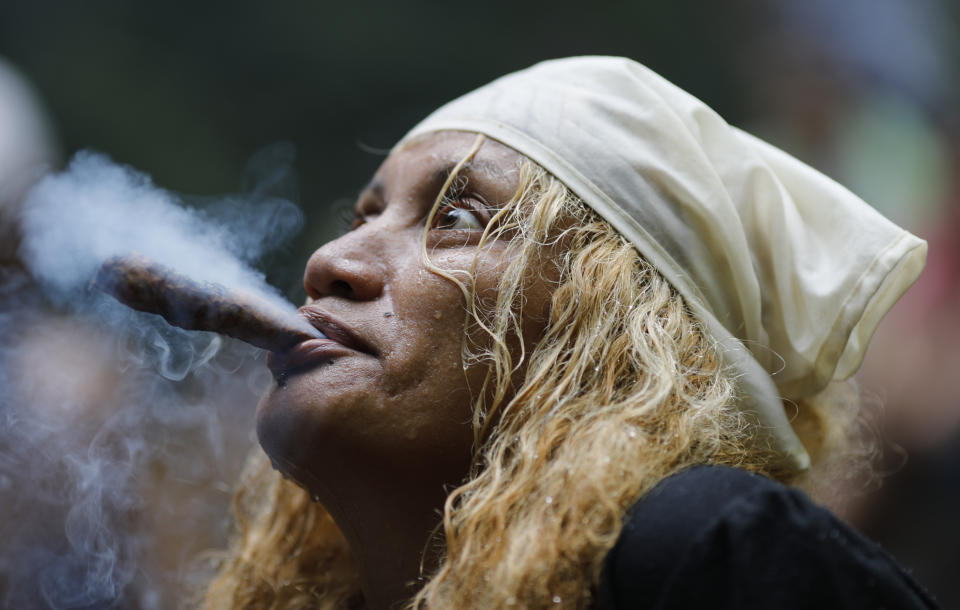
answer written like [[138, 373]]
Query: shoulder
[[726, 538]]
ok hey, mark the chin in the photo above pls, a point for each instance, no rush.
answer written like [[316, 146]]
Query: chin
[[292, 414], [309, 432], [288, 441], [277, 428]]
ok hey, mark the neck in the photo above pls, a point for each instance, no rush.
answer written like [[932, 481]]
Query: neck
[[388, 524]]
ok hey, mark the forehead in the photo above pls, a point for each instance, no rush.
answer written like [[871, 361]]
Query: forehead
[[433, 156]]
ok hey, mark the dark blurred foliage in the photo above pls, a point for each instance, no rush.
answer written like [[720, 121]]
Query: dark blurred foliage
[[188, 91]]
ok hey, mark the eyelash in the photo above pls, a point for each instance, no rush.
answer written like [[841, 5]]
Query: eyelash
[[450, 204], [456, 199]]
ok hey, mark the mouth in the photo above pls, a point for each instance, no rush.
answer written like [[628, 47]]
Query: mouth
[[336, 340]]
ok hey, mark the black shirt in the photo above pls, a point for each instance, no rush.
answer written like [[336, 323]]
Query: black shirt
[[721, 538]]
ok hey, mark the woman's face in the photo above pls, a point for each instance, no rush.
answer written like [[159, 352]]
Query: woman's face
[[387, 395]]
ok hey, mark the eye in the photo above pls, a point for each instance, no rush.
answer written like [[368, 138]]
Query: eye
[[457, 218]]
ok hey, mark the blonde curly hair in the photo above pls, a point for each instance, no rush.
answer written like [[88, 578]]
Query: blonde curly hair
[[622, 390]]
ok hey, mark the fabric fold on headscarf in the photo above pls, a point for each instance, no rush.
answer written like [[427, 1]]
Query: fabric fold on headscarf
[[788, 271]]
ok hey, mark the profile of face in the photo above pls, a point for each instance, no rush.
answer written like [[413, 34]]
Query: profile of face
[[386, 400]]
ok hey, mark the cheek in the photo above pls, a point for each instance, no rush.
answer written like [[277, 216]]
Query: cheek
[[403, 415], [538, 297], [535, 300], [429, 315], [424, 383], [429, 422]]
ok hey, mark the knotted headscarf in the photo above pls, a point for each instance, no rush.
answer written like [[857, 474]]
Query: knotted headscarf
[[788, 271]]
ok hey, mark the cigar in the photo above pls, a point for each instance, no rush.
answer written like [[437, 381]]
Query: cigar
[[145, 285]]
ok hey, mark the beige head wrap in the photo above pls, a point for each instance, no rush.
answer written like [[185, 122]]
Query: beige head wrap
[[787, 270]]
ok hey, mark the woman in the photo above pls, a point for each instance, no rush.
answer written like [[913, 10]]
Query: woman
[[562, 291]]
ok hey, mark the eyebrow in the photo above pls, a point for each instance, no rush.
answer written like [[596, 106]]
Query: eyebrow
[[473, 168]]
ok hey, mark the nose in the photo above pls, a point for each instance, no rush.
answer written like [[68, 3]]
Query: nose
[[345, 268]]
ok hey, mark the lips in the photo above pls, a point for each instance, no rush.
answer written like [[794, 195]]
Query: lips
[[337, 341]]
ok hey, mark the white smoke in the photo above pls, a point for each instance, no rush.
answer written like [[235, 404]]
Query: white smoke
[[75, 220], [121, 436]]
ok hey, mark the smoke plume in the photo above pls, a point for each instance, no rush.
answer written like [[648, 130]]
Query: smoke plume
[[121, 436]]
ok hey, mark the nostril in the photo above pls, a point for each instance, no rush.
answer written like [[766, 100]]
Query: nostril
[[335, 271], [341, 288]]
